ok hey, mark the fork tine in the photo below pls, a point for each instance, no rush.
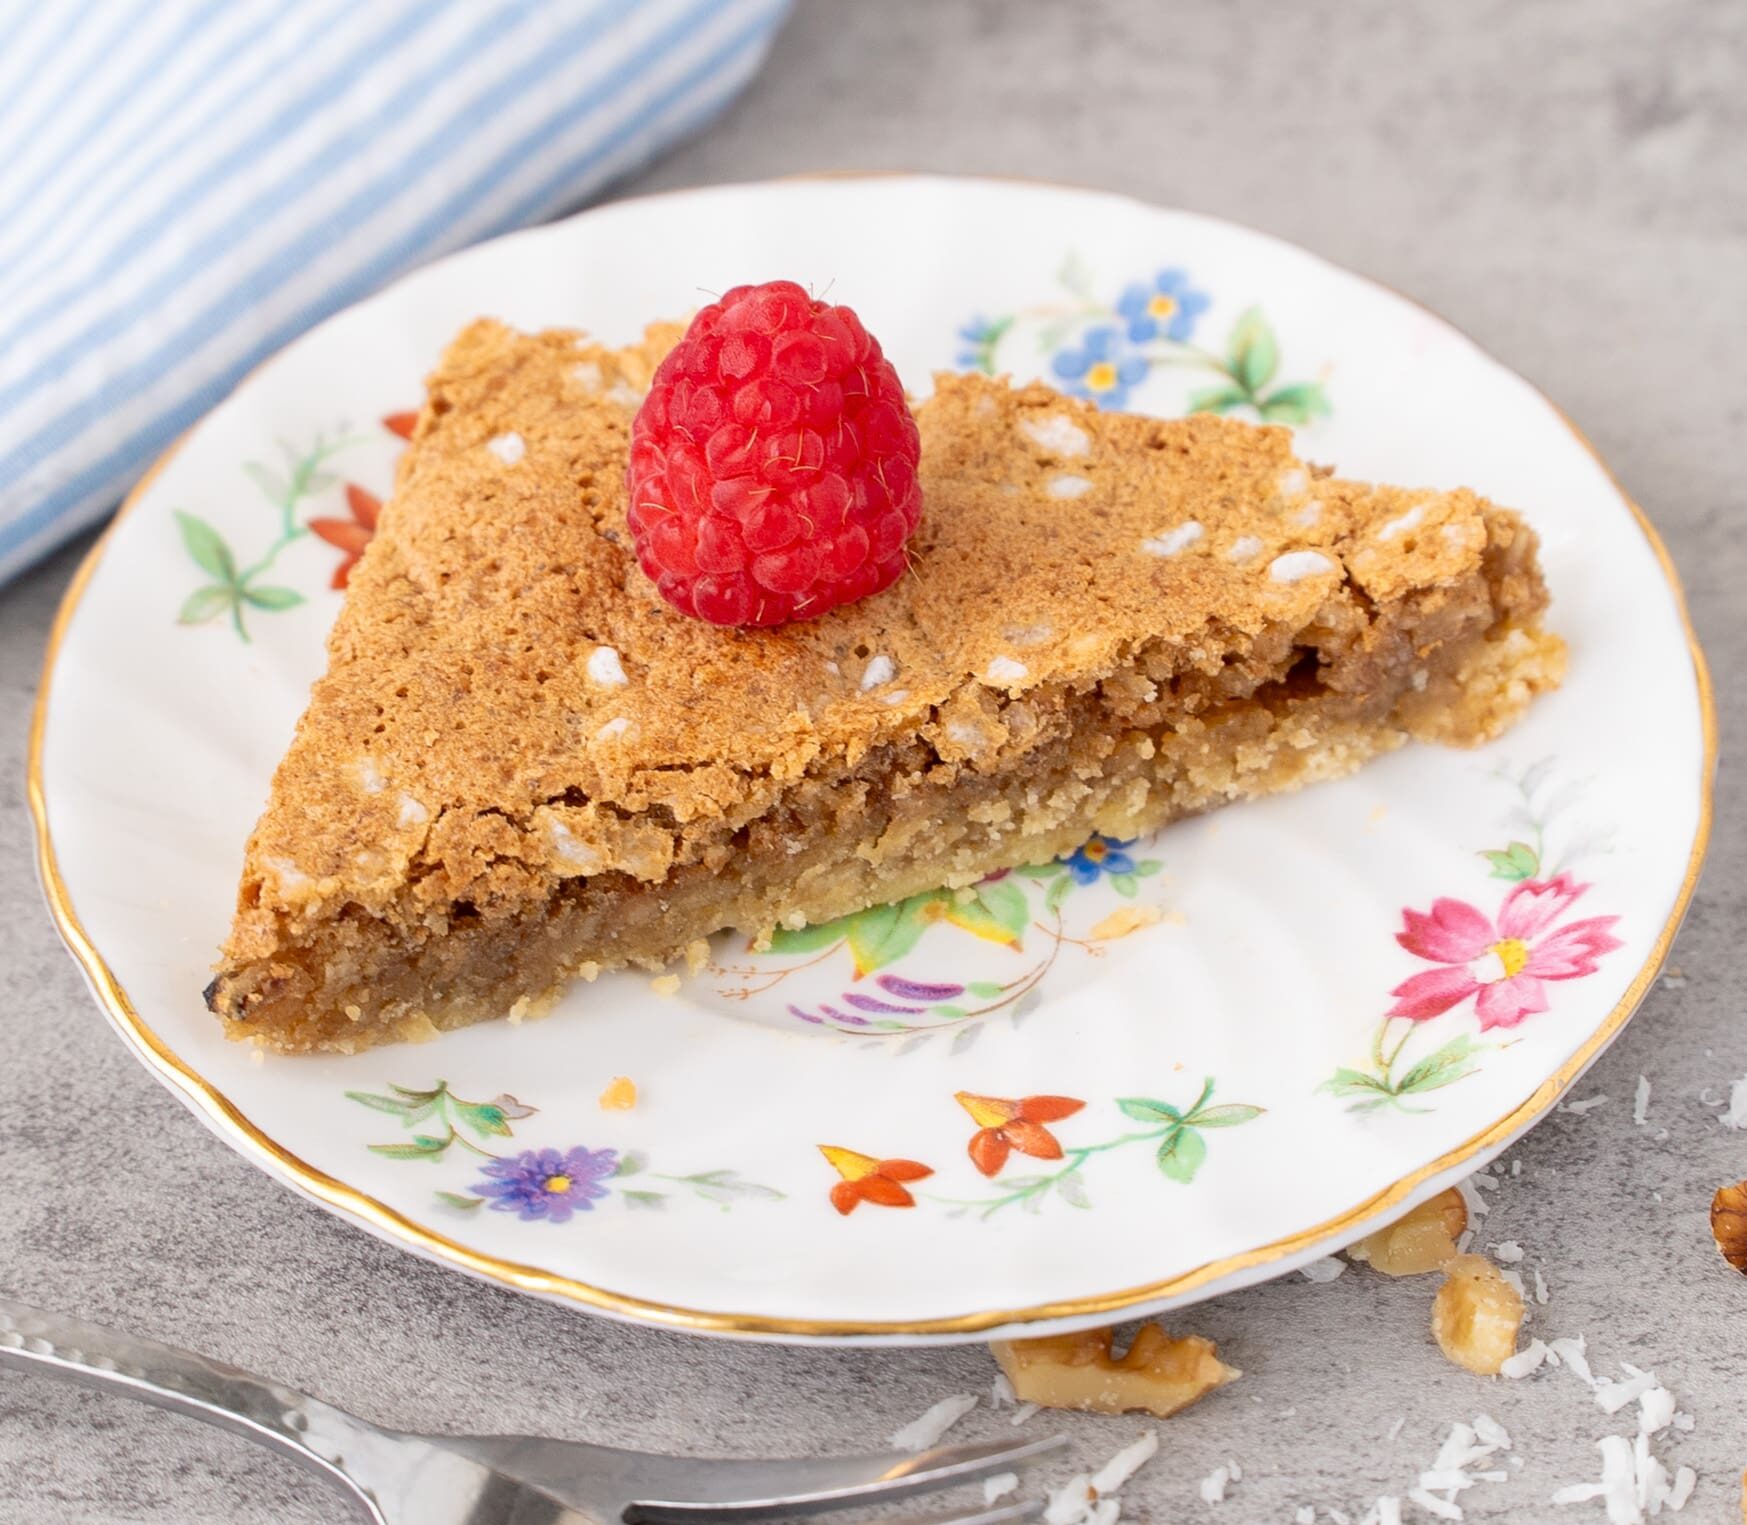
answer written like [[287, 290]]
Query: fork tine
[[782, 1488]]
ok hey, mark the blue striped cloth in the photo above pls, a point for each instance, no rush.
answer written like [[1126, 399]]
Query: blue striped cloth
[[186, 185]]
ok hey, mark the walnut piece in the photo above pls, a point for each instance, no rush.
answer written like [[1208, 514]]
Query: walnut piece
[[1423, 1241], [1476, 1315], [1079, 1371], [1729, 1224]]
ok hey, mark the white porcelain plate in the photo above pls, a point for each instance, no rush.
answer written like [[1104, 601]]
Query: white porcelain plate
[[1131, 1080]]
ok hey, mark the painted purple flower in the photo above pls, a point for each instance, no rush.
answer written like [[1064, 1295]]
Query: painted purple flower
[[548, 1183]]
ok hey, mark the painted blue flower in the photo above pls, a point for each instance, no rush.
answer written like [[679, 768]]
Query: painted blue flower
[[547, 1183], [1101, 855], [979, 336], [1168, 308], [1102, 368]]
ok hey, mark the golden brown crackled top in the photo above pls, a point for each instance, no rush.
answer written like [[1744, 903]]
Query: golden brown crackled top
[[508, 695]]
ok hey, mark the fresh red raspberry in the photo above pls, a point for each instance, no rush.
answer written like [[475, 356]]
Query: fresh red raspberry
[[773, 463]]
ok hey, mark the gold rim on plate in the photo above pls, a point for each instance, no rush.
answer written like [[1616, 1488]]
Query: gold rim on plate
[[227, 1119]]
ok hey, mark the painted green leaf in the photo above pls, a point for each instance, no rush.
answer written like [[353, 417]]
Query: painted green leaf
[[1058, 892], [980, 920], [1442, 1067], [630, 1162], [272, 597], [1145, 1110], [1349, 1082], [1217, 399], [1226, 1115], [1074, 275], [885, 933], [984, 990], [1071, 1188], [1252, 350], [1181, 1154], [398, 1106], [423, 1147], [965, 1037], [268, 480], [724, 1187], [318, 481], [1201, 1100], [644, 1200], [1006, 902], [483, 1118], [952, 1013], [808, 939], [455, 1199], [207, 547], [1042, 870], [1125, 885], [1296, 404], [205, 604], [1515, 863], [1147, 867]]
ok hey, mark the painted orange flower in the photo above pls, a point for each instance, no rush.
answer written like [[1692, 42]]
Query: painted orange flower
[[350, 535], [1004, 1125], [866, 1179], [401, 423]]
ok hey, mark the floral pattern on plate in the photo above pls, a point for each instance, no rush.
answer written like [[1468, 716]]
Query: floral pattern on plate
[[1103, 349], [1502, 961], [547, 1184], [1008, 910]]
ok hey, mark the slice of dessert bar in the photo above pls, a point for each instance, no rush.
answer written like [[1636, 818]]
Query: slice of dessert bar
[[522, 765]]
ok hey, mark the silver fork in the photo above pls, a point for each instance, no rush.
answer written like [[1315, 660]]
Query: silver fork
[[400, 1479]]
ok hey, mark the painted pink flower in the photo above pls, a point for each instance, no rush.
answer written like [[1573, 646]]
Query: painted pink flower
[[1504, 964]]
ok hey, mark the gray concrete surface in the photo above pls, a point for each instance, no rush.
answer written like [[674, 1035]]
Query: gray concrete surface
[[1568, 182]]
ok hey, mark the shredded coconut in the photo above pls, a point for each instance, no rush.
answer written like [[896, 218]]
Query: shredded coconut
[[1736, 1116], [1069, 1503], [1611, 1397], [1295, 566], [1057, 433], [1109, 1478], [1442, 1508], [1069, 486], [1005, 670], [1213, 1486], [617, 726], [1570, 1352], [999, 1486], [508, 448], [1529, 1359], [925, 1430], [605, 668], [1022, 1413], [1172, 541], [1655, 1410], [1588, 1104], [1540, 1286], [1508, 1252], [1641, 1101], [1407, 521], [1245, 548], [880, 669], [1000, 1391], [1324, 1270]]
